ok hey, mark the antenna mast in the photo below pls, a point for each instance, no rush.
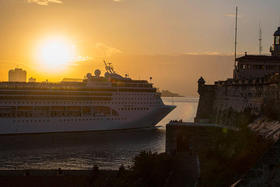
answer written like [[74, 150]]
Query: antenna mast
[[260, 41], [235, 42]]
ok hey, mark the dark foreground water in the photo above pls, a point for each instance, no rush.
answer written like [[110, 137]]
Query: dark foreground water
[[83, 150]]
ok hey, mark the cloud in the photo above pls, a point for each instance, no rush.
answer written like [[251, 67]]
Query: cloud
[[44, 2], [100, 51], [104, 50], [76, 61], [210, 53]]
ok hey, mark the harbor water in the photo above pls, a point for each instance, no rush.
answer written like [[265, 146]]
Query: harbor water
[[107, 149]]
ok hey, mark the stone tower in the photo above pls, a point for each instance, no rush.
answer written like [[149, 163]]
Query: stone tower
[[201, 84], [205, 104], [275, 48]]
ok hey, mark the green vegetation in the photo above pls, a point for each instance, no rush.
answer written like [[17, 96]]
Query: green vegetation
[[148, 169], [234, 153], [232, 156]]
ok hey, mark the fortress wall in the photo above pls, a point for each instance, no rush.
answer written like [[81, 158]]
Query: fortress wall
[[194, 138], [237, 98], [227, 96]]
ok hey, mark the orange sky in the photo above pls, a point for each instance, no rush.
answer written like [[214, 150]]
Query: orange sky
[[135, 35]]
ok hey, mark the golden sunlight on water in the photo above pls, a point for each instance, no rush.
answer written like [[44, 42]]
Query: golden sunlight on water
[[185, 109]]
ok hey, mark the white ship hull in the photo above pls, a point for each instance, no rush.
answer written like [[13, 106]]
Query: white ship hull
[[95, 104], [76, 124]]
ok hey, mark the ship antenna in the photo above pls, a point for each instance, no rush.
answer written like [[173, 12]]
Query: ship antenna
[[235, 37], [106, 66], [260, 41]]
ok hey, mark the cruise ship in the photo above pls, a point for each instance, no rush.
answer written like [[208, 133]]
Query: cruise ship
[[96, 103]]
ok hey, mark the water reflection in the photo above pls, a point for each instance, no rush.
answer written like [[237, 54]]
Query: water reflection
[[83, 150], [185, 109]]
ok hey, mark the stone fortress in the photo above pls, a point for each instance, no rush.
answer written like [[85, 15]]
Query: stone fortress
[[235, 137], [256, 80]]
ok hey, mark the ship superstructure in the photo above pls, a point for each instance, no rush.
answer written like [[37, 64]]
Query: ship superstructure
[[97, 103]]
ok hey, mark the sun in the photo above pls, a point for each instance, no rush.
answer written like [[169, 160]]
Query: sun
[[55, 53]]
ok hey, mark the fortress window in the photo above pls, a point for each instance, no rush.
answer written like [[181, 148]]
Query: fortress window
[[277, 40], [260, 67], [271, 67]]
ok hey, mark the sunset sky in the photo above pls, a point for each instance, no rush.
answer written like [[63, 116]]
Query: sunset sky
[[136, 35]]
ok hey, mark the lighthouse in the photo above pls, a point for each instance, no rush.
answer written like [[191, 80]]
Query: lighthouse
[[275, 48]]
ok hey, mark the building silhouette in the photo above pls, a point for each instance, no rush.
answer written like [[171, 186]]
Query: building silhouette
[[258, 66], [17, 75], [31, 79]]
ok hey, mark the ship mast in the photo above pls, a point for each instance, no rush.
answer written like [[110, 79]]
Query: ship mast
[[108, 67]]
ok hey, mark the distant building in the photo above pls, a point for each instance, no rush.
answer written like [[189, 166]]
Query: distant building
[[17, 75], [31, 79], [258, 66], [71, 80]]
